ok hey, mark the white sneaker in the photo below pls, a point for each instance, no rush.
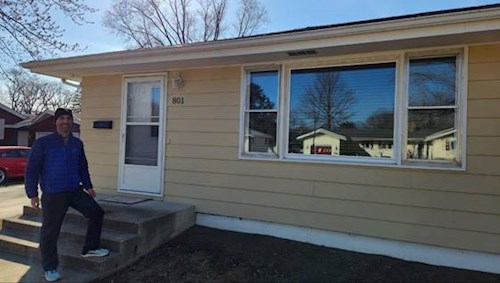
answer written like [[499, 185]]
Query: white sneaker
[[96, 253], [52, 275]]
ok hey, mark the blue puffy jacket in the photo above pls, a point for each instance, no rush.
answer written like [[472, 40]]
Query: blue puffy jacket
[[58, 167]]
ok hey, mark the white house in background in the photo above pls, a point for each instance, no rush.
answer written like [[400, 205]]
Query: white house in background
[[321, 141]]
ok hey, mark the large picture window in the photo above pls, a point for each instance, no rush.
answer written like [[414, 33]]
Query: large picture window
[[343, 111], [400, 112]]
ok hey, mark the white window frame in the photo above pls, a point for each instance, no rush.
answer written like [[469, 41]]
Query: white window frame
[[343, 158], [401, 60], [460, 115], [245, 90]]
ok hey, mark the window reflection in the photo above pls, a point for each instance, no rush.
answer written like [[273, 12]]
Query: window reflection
[[432, 82], [261, 113], [432, 105], [143, 102], [346, 111]]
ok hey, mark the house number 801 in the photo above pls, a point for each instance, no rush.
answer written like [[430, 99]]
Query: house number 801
[[177, 100]]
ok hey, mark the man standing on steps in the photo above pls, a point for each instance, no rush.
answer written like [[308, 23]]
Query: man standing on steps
[[57, 162]]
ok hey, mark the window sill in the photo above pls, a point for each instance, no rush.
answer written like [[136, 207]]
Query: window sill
[[364, 163]]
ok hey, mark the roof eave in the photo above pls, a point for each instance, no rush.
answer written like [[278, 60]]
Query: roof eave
[[264, 48]]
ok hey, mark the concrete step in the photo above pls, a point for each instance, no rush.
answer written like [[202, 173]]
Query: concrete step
[[69, 252], [74, 216], [117, 241], [16, 268], [131, 230]]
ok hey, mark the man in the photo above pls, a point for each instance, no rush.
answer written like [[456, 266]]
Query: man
[[57, 162]]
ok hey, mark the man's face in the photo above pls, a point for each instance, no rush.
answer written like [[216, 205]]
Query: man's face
[[63, 124]]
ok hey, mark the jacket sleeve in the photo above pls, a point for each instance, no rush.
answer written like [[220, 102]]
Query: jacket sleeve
[[84, 170], [33, 170]]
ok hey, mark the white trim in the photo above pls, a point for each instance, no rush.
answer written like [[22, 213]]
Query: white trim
[[380, 162], [435, 255], [244, 98], [401, 60], [462, 102], [243, 105], [163, 78], [460, 116]]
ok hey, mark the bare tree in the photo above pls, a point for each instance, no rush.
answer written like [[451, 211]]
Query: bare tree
[[328, 103], [212, 12], [29, 94], [151, 23], [251, 16], [28, 29]]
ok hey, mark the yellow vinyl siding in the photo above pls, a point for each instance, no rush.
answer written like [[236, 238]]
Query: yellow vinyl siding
[[202, 113], [483, 89], [485, 242], [484, 108], [483, 146], [203, 152], [440, 207], [483, 127], [101, 100], [207, 125], [424, 216]]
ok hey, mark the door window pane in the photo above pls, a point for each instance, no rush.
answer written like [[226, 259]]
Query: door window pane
[[141, 146], [143, 102], [347, 111]]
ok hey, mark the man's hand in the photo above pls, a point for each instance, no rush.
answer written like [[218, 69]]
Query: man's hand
[[35, 202], [91, 192]]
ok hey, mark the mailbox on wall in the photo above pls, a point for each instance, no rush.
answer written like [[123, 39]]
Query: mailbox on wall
[[103, 124]]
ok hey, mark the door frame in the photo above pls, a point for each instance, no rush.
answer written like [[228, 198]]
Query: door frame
[[162, 129]]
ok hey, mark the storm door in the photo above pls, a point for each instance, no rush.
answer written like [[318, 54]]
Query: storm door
[[142, 136]]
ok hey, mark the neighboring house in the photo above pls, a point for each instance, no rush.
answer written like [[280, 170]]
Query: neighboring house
[[40, 125], [321, 141], [358, 142], [8, 118], [171, 122], [19, 129], [256, 141]]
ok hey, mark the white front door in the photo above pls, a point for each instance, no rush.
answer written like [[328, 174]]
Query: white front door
[[142, 136]]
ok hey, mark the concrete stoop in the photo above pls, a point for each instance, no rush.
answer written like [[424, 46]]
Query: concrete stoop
[[129, 231]]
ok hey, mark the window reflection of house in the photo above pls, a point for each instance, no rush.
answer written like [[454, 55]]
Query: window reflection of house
[[259, 142], [349, 142], [321, 141], [356, 142], [432, 146]]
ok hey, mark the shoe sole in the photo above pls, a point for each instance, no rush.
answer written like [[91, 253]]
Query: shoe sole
[[58, 279], [95, 255]]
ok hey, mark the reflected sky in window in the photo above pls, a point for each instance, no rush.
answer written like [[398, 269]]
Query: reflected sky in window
[[264, 90], [357, 92]]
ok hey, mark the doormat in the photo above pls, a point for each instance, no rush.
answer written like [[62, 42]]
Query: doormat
[[123, 199]]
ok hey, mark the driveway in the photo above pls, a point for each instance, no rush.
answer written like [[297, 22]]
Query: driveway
[[12, 199]]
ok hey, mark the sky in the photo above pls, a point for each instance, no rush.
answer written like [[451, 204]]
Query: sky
[[282, 14]]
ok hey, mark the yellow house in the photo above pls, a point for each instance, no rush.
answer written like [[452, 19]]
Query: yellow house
[[321, 141], [177, 123]]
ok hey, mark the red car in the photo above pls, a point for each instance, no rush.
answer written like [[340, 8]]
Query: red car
[[13, 160]]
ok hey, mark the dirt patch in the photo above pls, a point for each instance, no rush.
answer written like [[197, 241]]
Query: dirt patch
[[203, 254]]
